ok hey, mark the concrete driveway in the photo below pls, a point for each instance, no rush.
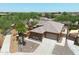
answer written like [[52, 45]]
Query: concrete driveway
[[45, 47]]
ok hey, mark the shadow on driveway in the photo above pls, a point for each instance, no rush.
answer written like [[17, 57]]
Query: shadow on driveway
[[62, 50]]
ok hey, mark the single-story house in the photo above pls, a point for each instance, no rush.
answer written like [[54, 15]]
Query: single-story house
[[73, 33], [48, 29]]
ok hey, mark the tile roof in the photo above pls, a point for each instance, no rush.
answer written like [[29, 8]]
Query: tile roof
[[48, 26]]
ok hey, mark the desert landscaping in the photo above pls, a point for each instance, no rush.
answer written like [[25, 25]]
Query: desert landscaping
[[55, 33]]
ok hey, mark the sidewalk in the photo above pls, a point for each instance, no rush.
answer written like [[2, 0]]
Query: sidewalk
[[73, 47], [6, 44]]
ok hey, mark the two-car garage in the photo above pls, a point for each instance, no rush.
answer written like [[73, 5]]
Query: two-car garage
[[39, 37]]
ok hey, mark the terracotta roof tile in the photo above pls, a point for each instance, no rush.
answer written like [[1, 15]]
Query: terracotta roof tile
[[48, 26]]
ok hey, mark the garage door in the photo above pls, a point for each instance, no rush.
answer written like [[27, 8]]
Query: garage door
[[51, 36], [36, 36]]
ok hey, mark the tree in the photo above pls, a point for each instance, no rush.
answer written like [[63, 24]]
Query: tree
[[20, 27], [64, 13]]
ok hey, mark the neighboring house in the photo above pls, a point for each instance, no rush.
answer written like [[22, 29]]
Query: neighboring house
[[48, 29], [73, 34]]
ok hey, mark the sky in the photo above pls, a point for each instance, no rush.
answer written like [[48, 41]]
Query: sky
[[39, 7]]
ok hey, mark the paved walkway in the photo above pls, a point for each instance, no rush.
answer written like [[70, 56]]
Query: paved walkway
[[29, 47], [73, 47], [6, 44]]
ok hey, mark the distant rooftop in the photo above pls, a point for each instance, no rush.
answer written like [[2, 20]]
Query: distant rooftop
[[3, 14]]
